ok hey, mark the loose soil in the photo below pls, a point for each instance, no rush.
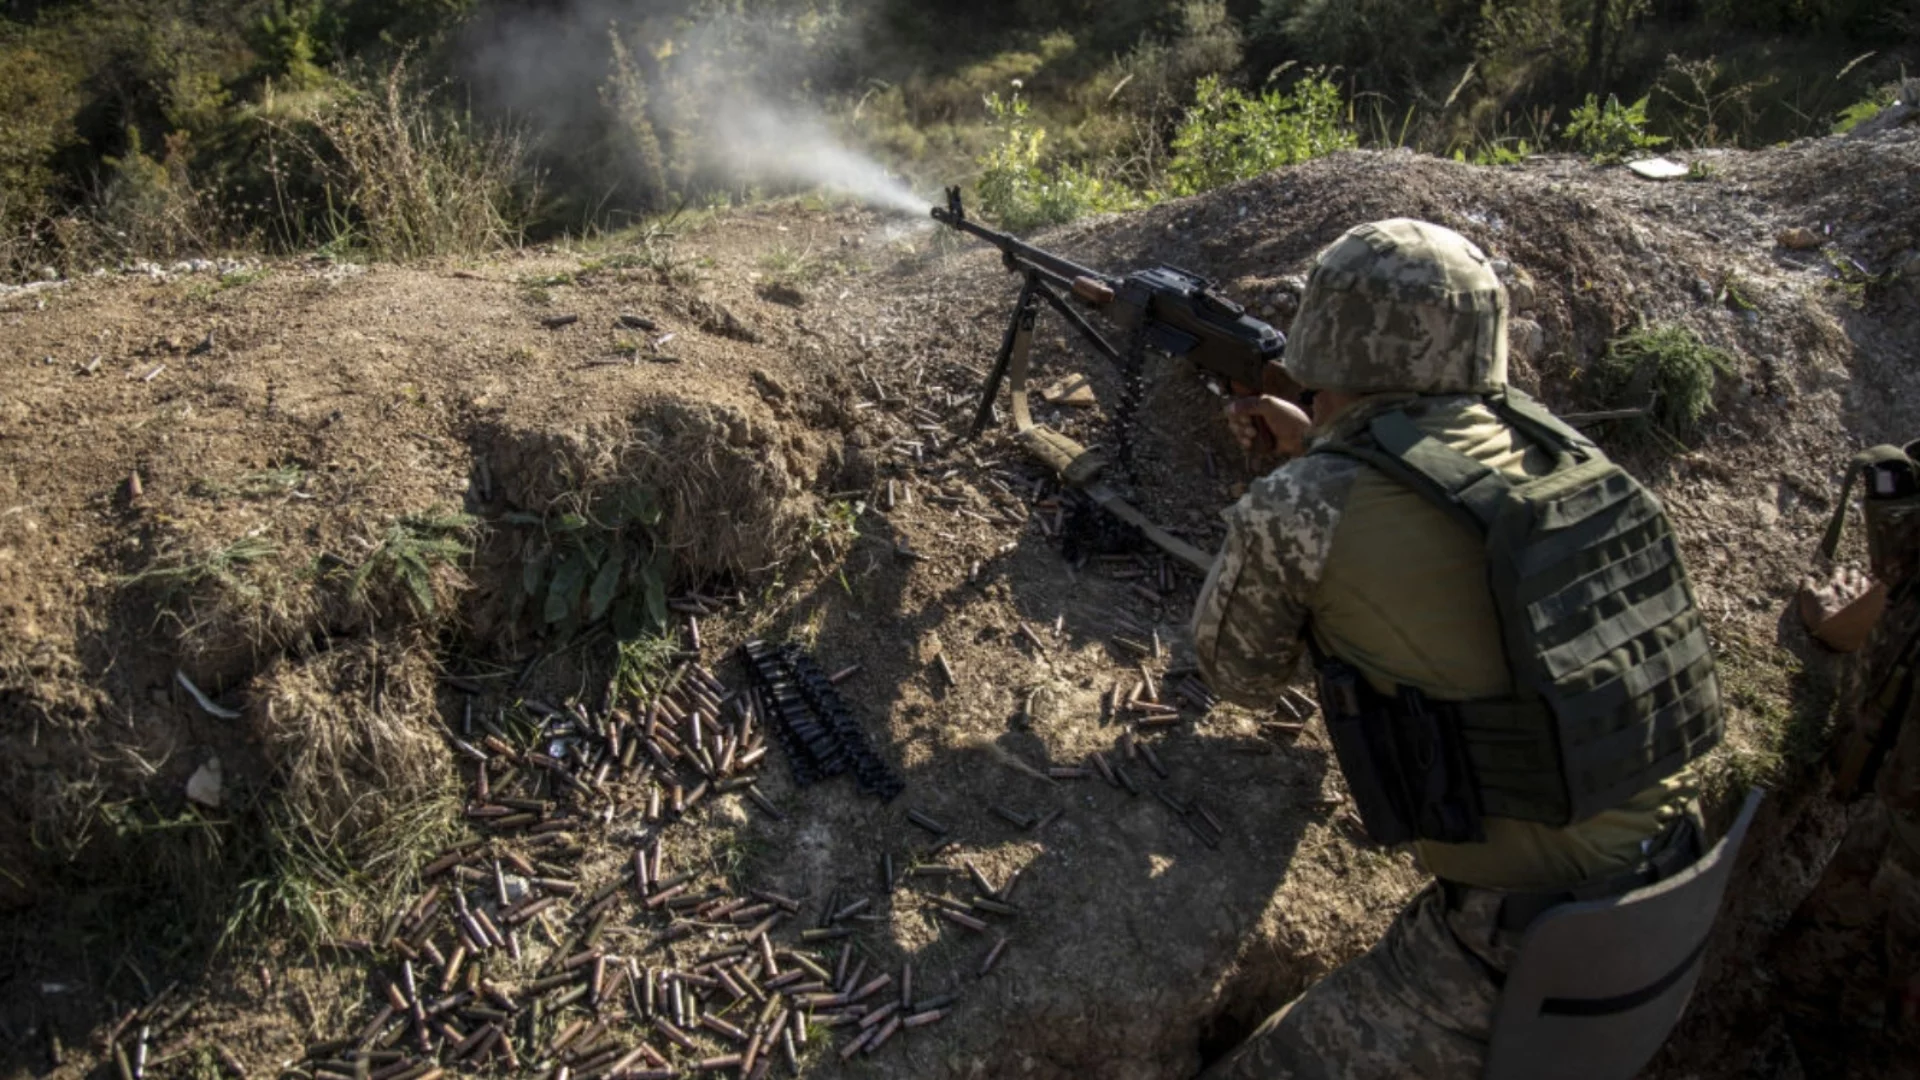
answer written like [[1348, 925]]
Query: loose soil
[[196, 469]]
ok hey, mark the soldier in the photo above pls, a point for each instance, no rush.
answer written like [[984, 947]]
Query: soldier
[[1389, 553], [1849, 960]]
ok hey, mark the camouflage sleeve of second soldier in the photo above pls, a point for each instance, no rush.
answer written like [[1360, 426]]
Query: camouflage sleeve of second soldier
[[1249, 628]]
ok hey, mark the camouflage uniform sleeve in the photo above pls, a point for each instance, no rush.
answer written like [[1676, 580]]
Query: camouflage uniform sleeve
[[1250, 625]]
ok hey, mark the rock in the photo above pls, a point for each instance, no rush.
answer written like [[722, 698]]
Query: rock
[[1520, 291], [1527, 338], [1799, 238], [1072, 392], [770, 388], [203, 787]]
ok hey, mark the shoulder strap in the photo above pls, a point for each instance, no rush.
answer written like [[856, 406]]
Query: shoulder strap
[[1466, 489], [1538, 423], [1864, 460]]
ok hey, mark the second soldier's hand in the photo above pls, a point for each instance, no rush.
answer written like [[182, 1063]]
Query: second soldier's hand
[[1269, 425]]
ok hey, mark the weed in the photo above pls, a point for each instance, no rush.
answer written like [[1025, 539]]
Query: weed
[[1851, 280], [1669, 364], [1228, 135], [787, 265], [1021, 192], [598, 561], [1611, 132], [836, 527], [178, 576], [412, 548], [642, 664], [1732, 294], [265, 484], [419, 182], [1701, 171]]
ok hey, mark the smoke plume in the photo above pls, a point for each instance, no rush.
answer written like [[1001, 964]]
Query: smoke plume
[[630, 99]]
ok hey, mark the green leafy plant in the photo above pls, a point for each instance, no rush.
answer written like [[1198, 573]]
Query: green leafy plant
[[407, 555], [643, 663], [1229, 135], [1611, 132], [1668, 364], [1020, 191], [598, 562]]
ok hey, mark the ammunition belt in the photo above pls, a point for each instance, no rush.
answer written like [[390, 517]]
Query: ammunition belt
[[812, 723]]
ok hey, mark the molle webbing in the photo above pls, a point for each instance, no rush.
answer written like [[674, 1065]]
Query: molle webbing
[[1613, 678]]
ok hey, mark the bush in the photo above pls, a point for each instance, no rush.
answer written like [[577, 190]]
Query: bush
[[1021, 192], [1669, 364], [418, 183], [1230, 136], [1609, 133]]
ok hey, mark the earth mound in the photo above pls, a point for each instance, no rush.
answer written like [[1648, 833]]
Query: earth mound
[[366, 537]]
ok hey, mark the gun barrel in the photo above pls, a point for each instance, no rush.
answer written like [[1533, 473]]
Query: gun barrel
[[1020, 254]]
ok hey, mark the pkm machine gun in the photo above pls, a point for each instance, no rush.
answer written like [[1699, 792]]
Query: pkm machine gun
[[1164, 309]]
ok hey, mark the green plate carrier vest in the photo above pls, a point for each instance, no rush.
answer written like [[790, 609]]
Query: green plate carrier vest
[[1614, 686]]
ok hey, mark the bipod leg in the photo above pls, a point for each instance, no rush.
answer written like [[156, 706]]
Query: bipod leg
[[1079, 322], [1019, 336]]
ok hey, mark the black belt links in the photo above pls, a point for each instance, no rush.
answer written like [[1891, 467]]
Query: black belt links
[[1404, 758], [1676, 849], [812, 722]]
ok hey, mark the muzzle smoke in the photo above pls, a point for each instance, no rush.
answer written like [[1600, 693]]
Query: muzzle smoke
[[759, 143]]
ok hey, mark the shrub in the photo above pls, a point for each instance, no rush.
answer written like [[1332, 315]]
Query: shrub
[[1610, 132], [1669, 364], [1228, 135], [419, 183], [1021, 192]]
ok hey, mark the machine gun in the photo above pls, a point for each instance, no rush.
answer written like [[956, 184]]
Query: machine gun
[[1171, 311]]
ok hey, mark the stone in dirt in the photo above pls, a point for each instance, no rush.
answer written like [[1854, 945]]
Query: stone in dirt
[[1073, 391], [203, 787]]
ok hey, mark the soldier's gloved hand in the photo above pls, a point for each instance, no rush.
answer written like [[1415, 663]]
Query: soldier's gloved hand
[[1269, 425]]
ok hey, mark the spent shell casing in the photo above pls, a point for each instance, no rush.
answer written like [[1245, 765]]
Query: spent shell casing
[[1152, 758], [1126, 778], [843, 674], [993, 956], [1207, 815], [1049, 818], [959, 919], [855, 1046], [1106, 771], [674, 1035], [980, 882], [717, 1064], [946, 670], [906, 984], [886, 1032], [852, 909], [879, 982], [927, 823], [829, 933], [880, 1014], [994, 906], [1068, 772], [853, 979], [922, 1019], [714, 1023]]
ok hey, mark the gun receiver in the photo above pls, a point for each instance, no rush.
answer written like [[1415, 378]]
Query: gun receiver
[[1165, 309], [1180, 313]]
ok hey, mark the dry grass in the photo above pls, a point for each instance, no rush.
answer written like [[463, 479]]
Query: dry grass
[[350, 736], [419, 183], [730, 510]]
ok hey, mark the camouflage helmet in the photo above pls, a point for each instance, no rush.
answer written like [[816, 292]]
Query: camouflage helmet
[[1401, 305]]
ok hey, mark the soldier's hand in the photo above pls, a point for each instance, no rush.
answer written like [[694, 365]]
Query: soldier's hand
[[1269, 425]]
